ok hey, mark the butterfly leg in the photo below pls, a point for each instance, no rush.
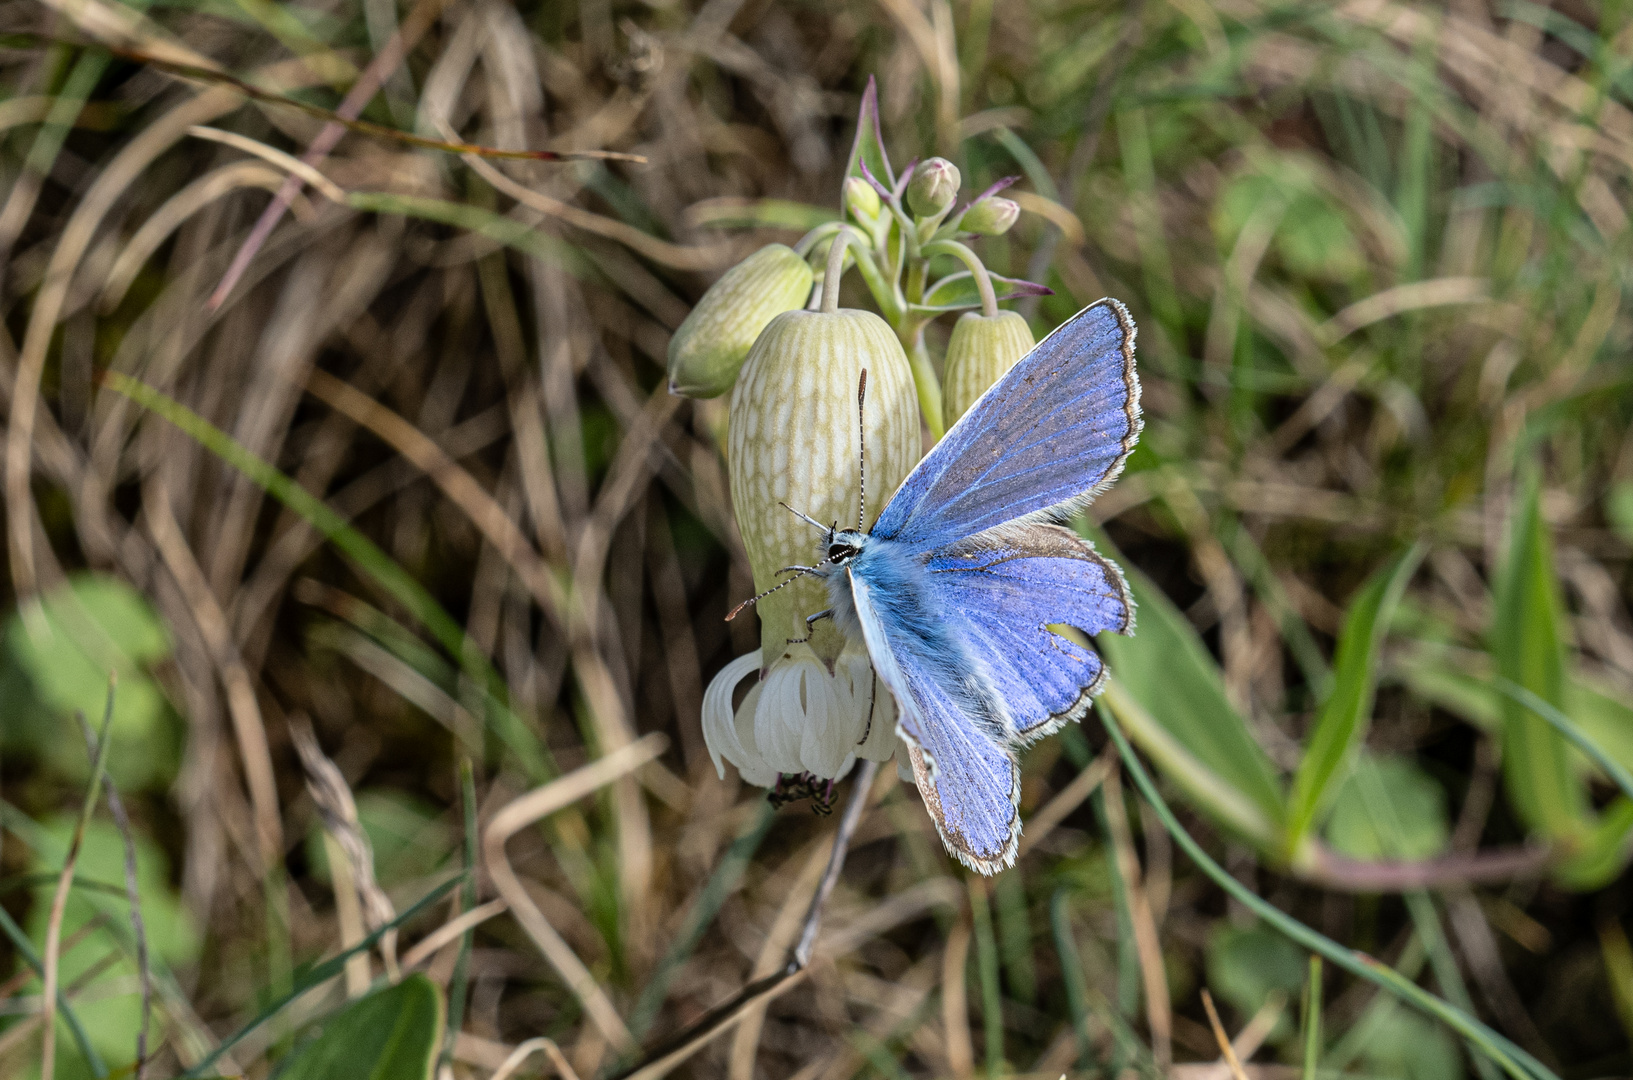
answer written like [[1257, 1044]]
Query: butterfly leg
[[810, 621]]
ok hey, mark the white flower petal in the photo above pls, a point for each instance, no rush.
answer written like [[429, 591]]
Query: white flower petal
[[719, 729], [779, 718], [830, 731], [752, 768]]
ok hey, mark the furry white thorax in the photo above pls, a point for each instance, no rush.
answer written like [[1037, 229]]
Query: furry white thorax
[[844, 547]]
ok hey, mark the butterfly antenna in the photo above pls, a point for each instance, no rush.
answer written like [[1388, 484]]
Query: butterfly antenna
[[861, 451], [806, 518], [751, 601]]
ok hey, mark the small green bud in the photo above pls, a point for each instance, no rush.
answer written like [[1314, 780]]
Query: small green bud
[[992, 216], [980, 351], [862, 200], [793, 440], [711, 345], [933, 188]]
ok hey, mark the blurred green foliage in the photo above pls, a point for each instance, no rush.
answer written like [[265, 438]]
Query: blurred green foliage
[[57, 660]]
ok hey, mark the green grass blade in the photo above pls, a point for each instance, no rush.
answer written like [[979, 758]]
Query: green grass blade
[[986, 966], [1341, 725], [1015, 936], [1514, 1061], [1528, 649], [1312, 1019], [1128, 959], [25, 949], [318, 975], [1071, 972], [496, 227], [459, 982], [362, 551]]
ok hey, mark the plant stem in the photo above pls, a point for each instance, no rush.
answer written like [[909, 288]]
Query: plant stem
[[830, 276], [804, 244], [978, 270], [924, 381]]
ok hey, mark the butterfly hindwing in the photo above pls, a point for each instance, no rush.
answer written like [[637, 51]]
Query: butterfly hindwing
[[1001, 591], [1048, 435], [953, 724]]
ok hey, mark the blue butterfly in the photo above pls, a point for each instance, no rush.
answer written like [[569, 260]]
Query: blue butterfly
[[954, 589]]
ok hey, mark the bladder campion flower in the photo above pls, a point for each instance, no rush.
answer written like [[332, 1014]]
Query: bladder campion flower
[[980, 351], [714, 340], [793, 442]]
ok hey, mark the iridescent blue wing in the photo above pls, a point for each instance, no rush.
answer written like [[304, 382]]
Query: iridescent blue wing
[[1001, 591], [965, 770], [1039, 444]]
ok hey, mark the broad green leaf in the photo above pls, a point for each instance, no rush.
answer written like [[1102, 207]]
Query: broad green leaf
[[111, 1007], [868, 148], [1404, 1044], [392, 1034], [1527, 648], [958, 291], [321, 973], [1166, 669], [1341, 726], [1603, 852], [1602, 716], [1388, 809], [82, 632], [1245, 965]]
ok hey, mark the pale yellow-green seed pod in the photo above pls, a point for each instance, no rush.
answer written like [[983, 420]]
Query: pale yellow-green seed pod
[[793, 440], [980, 351], [707, 351]]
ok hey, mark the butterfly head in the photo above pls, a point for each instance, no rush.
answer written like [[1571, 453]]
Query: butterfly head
[[843, 546]]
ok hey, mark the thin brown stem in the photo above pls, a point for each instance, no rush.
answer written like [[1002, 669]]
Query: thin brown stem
[[1335, 871], [673, 1051]]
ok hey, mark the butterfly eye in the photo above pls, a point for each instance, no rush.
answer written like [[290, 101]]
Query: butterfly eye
[[840, 552]]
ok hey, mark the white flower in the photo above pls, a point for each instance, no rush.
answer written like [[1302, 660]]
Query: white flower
[[799, 718]]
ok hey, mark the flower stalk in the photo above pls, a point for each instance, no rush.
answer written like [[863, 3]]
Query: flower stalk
[[794, 441]]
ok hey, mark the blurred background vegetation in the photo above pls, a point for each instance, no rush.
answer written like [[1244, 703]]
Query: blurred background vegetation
[[432, 503]]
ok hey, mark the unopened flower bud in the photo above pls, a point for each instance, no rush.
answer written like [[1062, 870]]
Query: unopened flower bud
[[933, 188], [991, 216], [861, 200], [793, 440], [980, 351], [714, 340]]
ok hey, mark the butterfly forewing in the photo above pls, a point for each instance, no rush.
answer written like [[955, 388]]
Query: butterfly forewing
[[1047, 436]]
